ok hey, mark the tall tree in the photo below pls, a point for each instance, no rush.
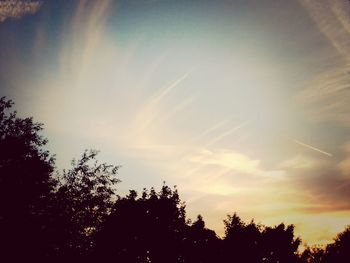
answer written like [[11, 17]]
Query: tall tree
[[84, 199], [26, 185]]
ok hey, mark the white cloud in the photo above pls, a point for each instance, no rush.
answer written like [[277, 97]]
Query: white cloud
[[234, 161], [17, 9]]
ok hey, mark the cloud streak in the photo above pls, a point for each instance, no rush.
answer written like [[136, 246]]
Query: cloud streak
[[234, 161], [312, 148], [227, 133], [16, 9], [168, 89], [325, 96]]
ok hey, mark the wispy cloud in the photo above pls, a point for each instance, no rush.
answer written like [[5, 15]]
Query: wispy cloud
[[326, 95], [332, 19], [233, 161], [17, 8]]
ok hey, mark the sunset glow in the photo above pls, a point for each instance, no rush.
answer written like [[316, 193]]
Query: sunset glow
[[244, 105]]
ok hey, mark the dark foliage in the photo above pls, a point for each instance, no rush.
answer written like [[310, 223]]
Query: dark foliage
[[26, 185], [145, 229], [200, 244], [257, 243], [313, 255], [83, 200], [46, 216], [339, 251]]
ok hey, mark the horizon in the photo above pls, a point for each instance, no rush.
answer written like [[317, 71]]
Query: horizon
[[241, 104]]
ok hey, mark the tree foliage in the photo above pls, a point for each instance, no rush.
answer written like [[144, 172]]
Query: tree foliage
[[26, 184], [144, 228], [339, 250], [84, 199]]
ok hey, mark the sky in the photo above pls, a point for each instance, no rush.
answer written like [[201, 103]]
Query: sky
[[243, 104]]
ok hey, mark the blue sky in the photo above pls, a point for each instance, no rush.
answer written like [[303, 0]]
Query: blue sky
[[242, 104]]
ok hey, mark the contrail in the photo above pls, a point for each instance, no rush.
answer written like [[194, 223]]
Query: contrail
[[148, 113], [312, 148], [209, 130], [227, 133], [177, 108], [171, 87]]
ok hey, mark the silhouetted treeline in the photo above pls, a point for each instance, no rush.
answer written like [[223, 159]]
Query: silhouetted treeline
[[76, 215]]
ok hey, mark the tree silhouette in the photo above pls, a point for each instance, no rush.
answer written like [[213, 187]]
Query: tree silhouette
[[84, 199], [339, 250], [242, 241], [200, 244], [279, 244], [145, 229], [26, 185], [336, 252], [314, 254], [258, 243]]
